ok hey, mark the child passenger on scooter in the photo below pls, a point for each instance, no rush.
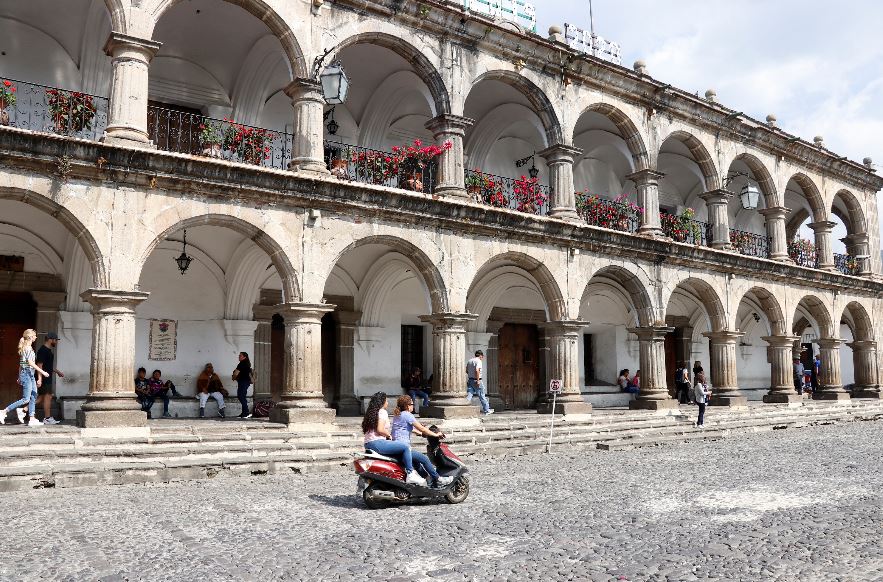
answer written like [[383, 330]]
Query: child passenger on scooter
[[376, 427], [403, 422]]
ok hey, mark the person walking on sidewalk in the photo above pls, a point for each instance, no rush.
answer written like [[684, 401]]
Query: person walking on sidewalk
[[799, 372], [26, 369], [475, 382], [46, 360], [701, 394], [682, 381], [243, 377]]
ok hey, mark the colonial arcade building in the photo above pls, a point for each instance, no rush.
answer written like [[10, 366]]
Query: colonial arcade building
[[660, 227]]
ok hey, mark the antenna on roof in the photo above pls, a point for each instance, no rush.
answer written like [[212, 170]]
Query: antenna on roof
[[592, 27]]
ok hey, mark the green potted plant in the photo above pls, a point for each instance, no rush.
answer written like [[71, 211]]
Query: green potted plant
[[210, 138], [71, 111]]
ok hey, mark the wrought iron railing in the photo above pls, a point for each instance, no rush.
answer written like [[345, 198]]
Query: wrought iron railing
[[52, 110], [803, 253], [521, 194], [685, 230], [367, 166], [750, 244], [190, 133], [847, 264], [612, 214]]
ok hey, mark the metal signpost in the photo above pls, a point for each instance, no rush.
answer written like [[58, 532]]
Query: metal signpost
[[554, 390]]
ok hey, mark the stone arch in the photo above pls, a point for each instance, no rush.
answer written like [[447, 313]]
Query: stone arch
[[487, 289], [541, 104], [816, 308], [813, 196], [384, 277], [703, 293], [117, 14], [81, 234], [431, 276], [854, 220], [556, 304], [700, 155], [627, 129], [262, 11], [290, 287], [859, 321], [762, 176], [771, 308], [424, 69], [635, 291]]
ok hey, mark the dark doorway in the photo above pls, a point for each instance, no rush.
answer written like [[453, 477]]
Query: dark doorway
[[277, 356], [519, 354], [18, 312], [330, 367], [806, 355], [671, 348], [412, 351], [588, 359]]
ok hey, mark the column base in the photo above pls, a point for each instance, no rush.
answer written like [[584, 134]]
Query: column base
[[288, 415], [349, 407], [308, 166], [111, 418], [782, 398], [731, 401], [565, 408], [650, 231], [867, 392], [664, 404], [565, 213], [452, 411], [126, 136], [450, 191], [831, 395], [781, 258], [721, 246]]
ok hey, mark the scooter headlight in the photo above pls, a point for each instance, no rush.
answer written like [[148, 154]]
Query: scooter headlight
[[363, 465]]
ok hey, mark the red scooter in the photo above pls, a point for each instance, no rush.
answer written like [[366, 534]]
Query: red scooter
[[382, 479]]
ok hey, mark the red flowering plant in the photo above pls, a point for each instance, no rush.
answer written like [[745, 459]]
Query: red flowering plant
[[210, 132], [7, 94], [374, 167], [682, 227], [251, 144], [618, 214], [528, 195], [484, 188], [71, 111], [802, 252]]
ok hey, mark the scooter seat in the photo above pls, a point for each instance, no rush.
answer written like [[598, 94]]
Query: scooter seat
[[377, 456]]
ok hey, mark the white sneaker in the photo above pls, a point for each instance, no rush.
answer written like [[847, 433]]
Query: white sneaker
[[489, 411], [414, 478], [3, 417], [21, 415], [34, 422], [50, 420], [444, 481]]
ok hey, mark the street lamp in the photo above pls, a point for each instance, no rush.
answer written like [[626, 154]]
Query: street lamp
[[335, 83], [533, 171], [749, 195], [332, 125], [184, 259]]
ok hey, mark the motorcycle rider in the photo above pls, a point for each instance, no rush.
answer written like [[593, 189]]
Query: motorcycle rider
[[376, 427], [403, 422]]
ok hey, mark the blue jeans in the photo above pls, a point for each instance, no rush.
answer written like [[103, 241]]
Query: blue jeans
[[242, 394], [28, 392], [476, 388], [393, 449], [415, 394], [424, 463], [701, 420], [147, 402]]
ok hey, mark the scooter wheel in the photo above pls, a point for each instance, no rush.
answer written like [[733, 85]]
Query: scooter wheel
[[372, 502], [460, 491]]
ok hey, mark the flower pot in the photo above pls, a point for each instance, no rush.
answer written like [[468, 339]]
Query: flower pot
[[679, 236], [339, 169], [4, 115], [212, 150], [414, 183]]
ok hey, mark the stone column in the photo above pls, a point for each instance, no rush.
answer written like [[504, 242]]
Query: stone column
[[647, 184], [563, 339], [111, 399], [864, 359], [718, 202], [302, 400], [653, 393], [263, 314], [127, 114], [451, 177], [780, 354], [858, 245], [775, 229], [724, 382], [308, 153], [347, 402], [560, 158], [449, 366], [824, 248], [492, 365], [830, 383]]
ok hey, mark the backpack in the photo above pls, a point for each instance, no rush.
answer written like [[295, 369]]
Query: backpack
[[680, 376], [262, 408]]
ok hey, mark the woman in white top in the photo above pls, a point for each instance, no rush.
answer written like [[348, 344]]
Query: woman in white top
[[26, 369], [376, 427], [701, 393]]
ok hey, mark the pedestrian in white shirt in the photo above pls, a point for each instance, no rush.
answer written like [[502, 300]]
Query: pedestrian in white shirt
[[701, 394], [475, 383]]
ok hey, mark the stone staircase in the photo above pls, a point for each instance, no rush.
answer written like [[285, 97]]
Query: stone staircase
[[61, 456]]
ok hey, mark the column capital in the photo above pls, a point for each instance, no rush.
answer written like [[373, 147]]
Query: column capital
[[651, 332], [565, 327], [781, 341], [724, 336], [304, 90], [774, 212], [113, 301], [830, 343], [858, 238], [121, 45], [822, 226], [449, 321], [48, 299], [295, 313], [862, 345], [448, 123], [560, 154], [646, 176], [348, 318], [718, 196]]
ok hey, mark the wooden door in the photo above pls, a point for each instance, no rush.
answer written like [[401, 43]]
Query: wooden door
[[330, 366], [519, 351], [671, 363], [17, 313]]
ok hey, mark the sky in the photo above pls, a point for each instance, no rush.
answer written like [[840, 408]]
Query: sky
[[817, 66]]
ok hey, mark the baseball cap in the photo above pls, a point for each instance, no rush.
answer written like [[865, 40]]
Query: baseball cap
[[52, 335]]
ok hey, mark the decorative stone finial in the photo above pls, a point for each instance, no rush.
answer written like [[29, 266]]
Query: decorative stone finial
[[640, 67], [869, 163], [771, 120], [711, 95], [556, 34], [819, 141]]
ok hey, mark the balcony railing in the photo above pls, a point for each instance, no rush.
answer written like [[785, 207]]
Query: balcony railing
[[847, 264], [803, 253], [367, 166], [53, 110], [682, 229], [190, 133], [750, 244], [523, 195], [611, 214]]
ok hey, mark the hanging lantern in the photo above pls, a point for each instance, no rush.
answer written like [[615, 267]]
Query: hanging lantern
[[533, 171], [750, 196], [332, 125], [335, 83], [184, 259]]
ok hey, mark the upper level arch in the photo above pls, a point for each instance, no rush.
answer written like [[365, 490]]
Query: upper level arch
[[531, 269], [625, 129], [847, 207], [698, 154]]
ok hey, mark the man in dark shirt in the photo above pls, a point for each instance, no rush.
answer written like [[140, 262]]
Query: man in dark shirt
[[46, 360]]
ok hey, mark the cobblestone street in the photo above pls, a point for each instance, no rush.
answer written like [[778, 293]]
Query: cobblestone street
[[789, 505]]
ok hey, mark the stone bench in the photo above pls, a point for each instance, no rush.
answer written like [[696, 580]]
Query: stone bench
[[187, 407]]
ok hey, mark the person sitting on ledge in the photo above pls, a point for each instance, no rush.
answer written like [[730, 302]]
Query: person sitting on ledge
[[209, 384], [160, 389], [142, 391], [625, 382]]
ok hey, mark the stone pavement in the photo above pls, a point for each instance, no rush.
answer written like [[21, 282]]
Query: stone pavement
[[790, 505]]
